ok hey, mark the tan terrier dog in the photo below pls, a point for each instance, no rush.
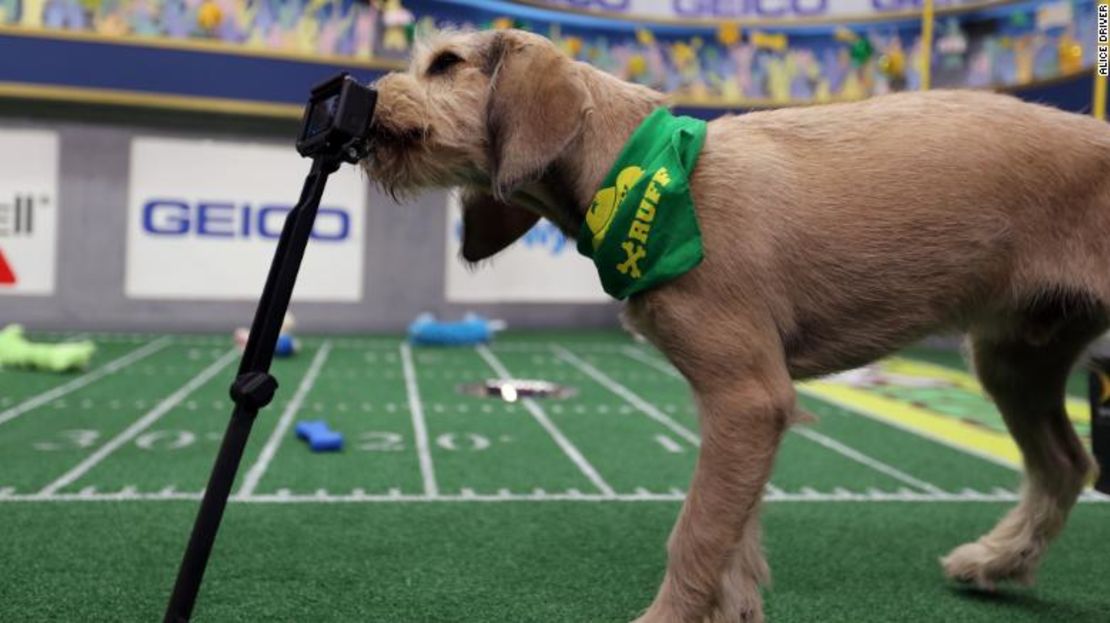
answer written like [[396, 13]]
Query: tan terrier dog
[[833, 235]]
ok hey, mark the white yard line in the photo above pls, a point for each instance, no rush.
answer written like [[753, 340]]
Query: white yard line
[[419, 427], [863, 459], [526, 346], [97, 336], [129, 494], [640, 404], [1095, 496], [668, 444], [668, 369], [262, 463], [808, 433], [919, 433], [81, 381], [140, 425], [557, 435], [654, 362]]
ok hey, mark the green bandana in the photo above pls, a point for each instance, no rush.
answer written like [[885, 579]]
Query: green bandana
[[641, 229]]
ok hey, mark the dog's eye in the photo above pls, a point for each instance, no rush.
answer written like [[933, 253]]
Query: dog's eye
[[443, 62]]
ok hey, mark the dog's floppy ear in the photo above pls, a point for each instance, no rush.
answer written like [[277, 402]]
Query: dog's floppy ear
[[490, 225], [537, 102]]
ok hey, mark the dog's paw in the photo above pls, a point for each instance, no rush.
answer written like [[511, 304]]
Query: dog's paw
[[747, 615], [718, 616], [984, 566]]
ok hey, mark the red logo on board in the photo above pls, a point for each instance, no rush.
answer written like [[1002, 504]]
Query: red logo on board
[[7, 275]]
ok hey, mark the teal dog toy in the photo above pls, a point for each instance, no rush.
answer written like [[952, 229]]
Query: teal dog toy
[[472, 329]]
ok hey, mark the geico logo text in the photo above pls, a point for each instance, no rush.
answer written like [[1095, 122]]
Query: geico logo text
[[226, 219]]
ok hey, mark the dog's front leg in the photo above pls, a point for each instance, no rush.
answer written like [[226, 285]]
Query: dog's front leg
[[715, 563]]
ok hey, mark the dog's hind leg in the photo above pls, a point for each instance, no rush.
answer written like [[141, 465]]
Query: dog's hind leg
[[1025, 371]]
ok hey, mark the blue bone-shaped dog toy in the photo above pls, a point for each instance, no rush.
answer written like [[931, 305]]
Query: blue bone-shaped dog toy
[[425, 330], [320, 438]]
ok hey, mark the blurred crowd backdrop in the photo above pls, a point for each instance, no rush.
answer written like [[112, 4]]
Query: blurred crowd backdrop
[[714, 53]]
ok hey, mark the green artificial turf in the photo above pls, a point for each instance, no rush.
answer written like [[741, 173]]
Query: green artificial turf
[[352, 536], [535, 561]]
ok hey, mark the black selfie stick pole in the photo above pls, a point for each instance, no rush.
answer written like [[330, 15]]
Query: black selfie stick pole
[[253, 388], [336, 122]]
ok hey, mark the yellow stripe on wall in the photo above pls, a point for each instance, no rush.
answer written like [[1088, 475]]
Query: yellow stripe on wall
[[116, 97], [202, 45]]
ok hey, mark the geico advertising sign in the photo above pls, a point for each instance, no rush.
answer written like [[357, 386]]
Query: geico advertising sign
[[205, 218], [28, 211], [543, 266], [756, 9]]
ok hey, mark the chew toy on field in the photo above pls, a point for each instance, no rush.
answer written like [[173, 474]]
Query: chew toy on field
[[472, 329], [286, 346], [17, 352], [320, 438]]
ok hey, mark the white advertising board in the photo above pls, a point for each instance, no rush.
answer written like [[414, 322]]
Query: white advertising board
[[204, 218], [543, 266], [28, 211]]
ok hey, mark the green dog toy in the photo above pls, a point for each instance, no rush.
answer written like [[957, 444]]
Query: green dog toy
[[17, 352]]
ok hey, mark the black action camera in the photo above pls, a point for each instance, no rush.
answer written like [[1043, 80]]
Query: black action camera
[[337, 119]]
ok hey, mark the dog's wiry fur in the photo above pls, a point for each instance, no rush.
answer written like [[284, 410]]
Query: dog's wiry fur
[[833, 235]]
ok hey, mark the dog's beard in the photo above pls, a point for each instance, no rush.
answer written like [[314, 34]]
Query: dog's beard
[[402, 162], [394, 158]]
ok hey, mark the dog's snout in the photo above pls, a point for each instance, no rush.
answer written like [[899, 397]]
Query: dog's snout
[[373, 106]]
